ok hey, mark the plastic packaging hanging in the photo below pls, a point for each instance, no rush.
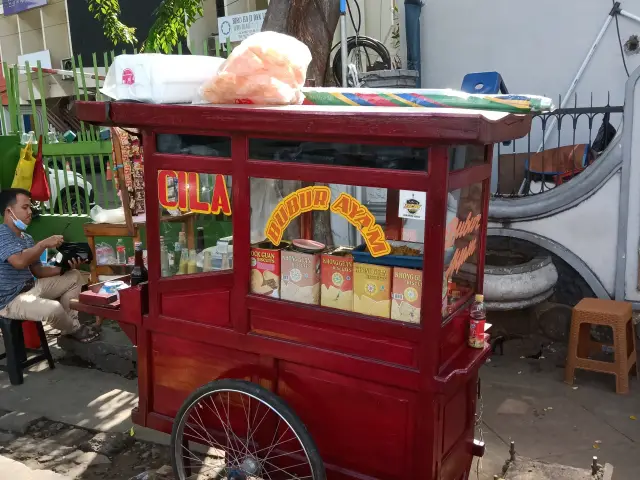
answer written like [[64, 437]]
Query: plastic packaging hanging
[[268, 68]]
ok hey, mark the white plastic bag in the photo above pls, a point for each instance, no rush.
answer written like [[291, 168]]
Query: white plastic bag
[[268, 68], [114, 215], [264, 199], [158, 78], [105, 255]]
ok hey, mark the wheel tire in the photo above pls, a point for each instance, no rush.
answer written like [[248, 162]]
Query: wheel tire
[[262, 394], [78, 206]]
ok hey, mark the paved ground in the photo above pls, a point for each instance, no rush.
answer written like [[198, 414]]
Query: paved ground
[[524, 400]]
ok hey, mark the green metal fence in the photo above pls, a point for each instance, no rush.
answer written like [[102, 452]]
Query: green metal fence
[[79, 172]]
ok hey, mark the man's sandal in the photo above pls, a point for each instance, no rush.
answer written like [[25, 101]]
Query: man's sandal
[[85, 334]]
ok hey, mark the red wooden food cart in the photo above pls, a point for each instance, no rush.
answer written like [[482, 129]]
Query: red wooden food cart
[[290, 358]]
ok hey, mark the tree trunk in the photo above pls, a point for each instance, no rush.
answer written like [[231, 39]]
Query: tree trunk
[[314, 23]]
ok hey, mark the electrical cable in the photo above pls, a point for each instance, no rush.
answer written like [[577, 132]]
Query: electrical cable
[[615, 16], [354, 43]]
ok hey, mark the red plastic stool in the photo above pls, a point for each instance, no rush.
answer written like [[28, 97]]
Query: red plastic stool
[[30, 333]]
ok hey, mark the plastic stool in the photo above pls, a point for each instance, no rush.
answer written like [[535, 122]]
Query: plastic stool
[[617, 315], [16, 352], [483, 82]]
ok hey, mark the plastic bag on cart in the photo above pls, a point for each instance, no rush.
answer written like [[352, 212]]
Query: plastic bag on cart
[[264, 198], [158, 78], [268, 68], [105, 254], [113, 215]]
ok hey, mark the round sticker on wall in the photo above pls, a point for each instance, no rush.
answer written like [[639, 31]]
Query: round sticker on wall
[[128, 77]]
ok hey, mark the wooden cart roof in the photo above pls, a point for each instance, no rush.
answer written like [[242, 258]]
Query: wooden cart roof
[[429, 125]]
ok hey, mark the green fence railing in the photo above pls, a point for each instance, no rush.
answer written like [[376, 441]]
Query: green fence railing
[[78, 172]]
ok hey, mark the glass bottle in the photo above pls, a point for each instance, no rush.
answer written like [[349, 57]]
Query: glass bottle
[[200, 240], [165, 269], [192, 266], [121, 252], [139, 273], [183, 266]]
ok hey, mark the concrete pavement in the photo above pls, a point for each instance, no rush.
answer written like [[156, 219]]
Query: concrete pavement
[[12, 470], [524, 401]]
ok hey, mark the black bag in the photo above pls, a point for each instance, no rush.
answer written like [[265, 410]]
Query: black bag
[[72, 250], [605, 135]]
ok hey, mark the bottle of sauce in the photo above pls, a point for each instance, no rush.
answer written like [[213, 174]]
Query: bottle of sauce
[[477, 322], [200, 240], [121, 252], [139, 273], [184, 262], [192, 265]]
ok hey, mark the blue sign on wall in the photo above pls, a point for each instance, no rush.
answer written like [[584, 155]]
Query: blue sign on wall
[[11, 7]]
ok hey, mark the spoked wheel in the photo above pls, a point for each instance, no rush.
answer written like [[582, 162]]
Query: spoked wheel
[[237, 430]]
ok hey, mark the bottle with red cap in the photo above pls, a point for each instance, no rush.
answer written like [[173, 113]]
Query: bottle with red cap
[[477, 322]]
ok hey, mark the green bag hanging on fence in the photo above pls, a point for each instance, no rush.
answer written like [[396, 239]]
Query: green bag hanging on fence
[[24, 171]]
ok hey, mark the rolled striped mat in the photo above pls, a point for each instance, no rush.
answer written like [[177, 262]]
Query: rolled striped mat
[[421, 98]]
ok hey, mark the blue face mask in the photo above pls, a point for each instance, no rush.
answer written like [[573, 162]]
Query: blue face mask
[[20, 225]]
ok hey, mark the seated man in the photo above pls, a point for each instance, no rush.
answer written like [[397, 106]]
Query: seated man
[[45, 299]]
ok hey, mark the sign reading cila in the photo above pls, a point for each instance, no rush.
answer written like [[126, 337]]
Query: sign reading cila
[[188, 199], [319, 198]]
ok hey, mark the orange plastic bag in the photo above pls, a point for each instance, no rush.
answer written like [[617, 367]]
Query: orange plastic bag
[[268, 68]]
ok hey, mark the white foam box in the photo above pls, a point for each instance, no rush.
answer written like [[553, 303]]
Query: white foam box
[[159, 78]]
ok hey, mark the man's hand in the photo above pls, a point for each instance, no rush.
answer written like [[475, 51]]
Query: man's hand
[[54, 241], [75, 263]]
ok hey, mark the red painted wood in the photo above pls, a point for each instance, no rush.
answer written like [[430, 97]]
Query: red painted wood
[[468, 176], [325, 316], [193, 163], [344, 422], [393, 223], [395, 124], [365, 177], [336, 338], [241, 232], [338, 370], [200, 306]]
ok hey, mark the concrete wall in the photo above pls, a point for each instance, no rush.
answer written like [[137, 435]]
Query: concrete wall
[[538, 48], [633, 229], [43, 28]]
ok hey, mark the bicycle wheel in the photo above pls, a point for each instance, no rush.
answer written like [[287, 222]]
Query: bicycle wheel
[[237, 430]]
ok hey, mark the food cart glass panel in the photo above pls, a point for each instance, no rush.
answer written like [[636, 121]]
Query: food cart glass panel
[[195, 223], [464, 223], [466, 156], [198, 145], [350, 264]]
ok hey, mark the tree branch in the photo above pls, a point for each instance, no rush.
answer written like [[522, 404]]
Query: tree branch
[[173, 19], [107, 12]]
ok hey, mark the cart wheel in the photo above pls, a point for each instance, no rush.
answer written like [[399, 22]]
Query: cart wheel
[[237, 430]]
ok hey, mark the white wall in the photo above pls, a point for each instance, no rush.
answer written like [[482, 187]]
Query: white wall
[[633, 228], [204, 27], [537, 46]]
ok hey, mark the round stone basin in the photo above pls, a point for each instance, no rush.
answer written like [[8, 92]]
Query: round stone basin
[[515, 280]]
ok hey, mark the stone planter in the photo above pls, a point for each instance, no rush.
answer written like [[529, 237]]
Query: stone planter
[[514, 281]]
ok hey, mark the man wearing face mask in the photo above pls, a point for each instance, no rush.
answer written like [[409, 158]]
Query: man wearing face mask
[[46, 297]]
